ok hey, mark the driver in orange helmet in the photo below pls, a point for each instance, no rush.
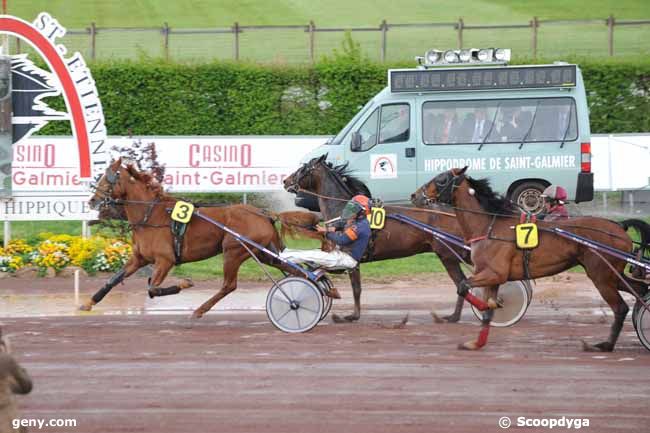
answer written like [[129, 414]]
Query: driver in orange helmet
[[351, 239]]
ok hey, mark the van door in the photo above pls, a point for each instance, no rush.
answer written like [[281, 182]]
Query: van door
[[382, 152]]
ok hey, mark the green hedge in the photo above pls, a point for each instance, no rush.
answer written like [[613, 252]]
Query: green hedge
[[153, 97]]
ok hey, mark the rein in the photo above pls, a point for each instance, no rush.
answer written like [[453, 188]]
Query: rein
[[416, 209], [452, 183]]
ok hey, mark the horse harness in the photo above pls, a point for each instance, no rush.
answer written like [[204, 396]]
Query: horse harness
[[177, 228], [444, 194]]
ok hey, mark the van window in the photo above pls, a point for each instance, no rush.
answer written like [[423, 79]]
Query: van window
[[343, 136], [395, 122], [368, 132], [499, 121]]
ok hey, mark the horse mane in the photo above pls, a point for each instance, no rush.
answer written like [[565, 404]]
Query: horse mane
[[150, 181], [344, 173], [490, 200]]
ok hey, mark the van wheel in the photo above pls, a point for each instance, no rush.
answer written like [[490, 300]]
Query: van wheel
[[528, 196]]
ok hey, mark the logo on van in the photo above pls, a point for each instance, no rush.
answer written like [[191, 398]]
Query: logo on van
[[383, 166]]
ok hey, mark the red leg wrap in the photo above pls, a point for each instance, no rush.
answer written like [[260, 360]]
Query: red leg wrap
[[483, 336], [477, 302]]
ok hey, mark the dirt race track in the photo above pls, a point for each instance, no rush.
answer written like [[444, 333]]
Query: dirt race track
[[136, 365]]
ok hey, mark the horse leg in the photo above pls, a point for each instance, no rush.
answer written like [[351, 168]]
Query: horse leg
[[134, 263], [607, 286], [452, 266], [355, 280], [159, 274], [232, 260], [485, 325], [161, 269], [484, 278]]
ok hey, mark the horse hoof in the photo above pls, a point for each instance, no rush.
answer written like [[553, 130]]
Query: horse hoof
[[88, 306], [436, 318], [605, 346], [493, 304], [452, 318], [189, 323], [469, 345], [347, 319], [185, 283], [334, 293]]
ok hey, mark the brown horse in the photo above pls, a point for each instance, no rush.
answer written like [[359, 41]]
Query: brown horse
[[146, 207], [395, 240], [486, 222]]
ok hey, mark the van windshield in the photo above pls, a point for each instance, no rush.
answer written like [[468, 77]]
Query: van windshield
[[499, 121], [338, 138]]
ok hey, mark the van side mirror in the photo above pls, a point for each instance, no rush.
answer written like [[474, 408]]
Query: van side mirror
[[355, 142]]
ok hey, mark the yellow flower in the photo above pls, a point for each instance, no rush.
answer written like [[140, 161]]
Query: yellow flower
[[18, 246]]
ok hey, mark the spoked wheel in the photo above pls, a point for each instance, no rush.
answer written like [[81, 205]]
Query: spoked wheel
[[515, 298], [294, 305], [641, 318], [326, 284]]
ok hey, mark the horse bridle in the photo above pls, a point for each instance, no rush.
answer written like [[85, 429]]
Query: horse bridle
[[307, 168], [295, 186], [444, 188], [113, 177]]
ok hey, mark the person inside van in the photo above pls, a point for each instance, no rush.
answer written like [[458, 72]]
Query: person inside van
[[448, 131], [476, 126], [511, 129]]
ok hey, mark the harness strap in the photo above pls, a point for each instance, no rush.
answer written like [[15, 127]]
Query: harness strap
[[178, 231], [477, 239], [526, 259]]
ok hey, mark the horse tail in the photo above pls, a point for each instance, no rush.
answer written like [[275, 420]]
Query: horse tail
[[644, 230], [642, 251]]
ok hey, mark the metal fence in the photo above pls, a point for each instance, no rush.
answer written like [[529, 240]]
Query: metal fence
[[386, 42]]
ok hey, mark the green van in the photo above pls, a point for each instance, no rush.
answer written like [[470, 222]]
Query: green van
[[524, 127]]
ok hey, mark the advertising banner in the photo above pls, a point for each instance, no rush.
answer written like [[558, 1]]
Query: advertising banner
[[47, 185]]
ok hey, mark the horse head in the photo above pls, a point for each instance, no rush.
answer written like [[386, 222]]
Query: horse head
[[304, 177], [108, 187], [119, 181], [440, 189]]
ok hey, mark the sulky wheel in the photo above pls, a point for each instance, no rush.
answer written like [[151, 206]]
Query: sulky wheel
[[635, 312], [514, 296], [326, 285], [294, 305], [529, 289], [641, 318]]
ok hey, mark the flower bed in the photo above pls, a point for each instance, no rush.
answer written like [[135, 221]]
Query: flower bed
[[94, 254]]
